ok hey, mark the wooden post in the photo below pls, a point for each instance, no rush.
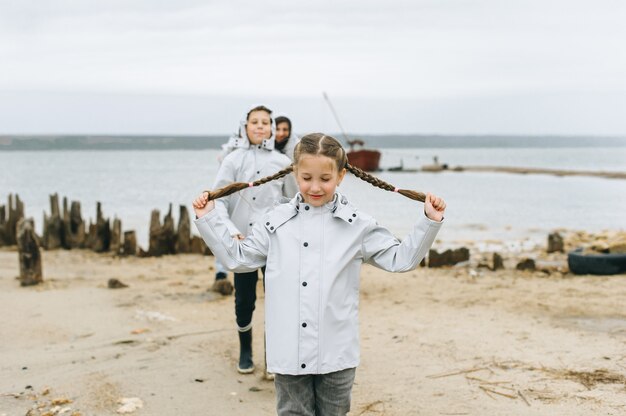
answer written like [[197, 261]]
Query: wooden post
[[3, 237], [29, 254], [53, 226], [169, 236], [154, 248], [130, 243], [74, 226], [16, 212], [102, 240], [162, 237], [199, 247], [116, 236], [183, 236]]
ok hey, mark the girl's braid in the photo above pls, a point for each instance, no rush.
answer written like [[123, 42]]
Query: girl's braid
[[364, 176], [238, 186]]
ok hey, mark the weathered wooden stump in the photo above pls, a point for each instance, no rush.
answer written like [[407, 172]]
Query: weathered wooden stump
[[74, 226], [199, 247], [498, 262], [116, 236], [100, 232], [53, 228], [29, 253], [555, 243], [3, 221], [183, 235], [130, 244], [169, 235], [154, 243], [448, 257], [526, 264], [162, 237], [15, 213]]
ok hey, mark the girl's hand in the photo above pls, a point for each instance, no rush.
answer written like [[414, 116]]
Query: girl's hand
[[434, 207], [202, 205]]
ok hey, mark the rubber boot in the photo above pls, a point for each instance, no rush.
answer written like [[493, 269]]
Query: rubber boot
[[246, 366]]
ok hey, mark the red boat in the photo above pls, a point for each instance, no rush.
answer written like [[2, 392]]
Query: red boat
[[364, 159]]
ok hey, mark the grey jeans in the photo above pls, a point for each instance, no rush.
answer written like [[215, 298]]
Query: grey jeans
[[314, 394]]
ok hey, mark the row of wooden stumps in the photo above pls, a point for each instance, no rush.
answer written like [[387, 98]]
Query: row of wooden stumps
[[67, 230]]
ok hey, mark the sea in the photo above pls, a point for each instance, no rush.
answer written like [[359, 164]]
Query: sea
[[484, 207]]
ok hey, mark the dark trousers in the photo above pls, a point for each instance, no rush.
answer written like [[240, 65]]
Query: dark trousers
[[245, 296]]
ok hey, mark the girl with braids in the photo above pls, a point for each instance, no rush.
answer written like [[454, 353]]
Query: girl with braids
[[253, 157], [314, 246]]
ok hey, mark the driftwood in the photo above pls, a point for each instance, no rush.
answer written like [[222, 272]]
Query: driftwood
[[130, 244], [29, 253], [53, 228]]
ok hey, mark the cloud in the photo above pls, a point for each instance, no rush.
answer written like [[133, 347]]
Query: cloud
[[414, 50]]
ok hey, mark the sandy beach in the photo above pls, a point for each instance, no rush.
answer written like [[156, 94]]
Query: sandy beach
[[455, 341]]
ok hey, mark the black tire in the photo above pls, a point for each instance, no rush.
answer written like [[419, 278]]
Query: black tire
[[600, 264]]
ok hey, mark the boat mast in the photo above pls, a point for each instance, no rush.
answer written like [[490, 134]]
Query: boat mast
[[332, 109]]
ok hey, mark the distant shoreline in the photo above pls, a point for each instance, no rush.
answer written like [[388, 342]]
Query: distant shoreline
[[182, 142]]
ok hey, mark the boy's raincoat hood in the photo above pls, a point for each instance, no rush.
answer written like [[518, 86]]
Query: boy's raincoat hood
[[240, 139]]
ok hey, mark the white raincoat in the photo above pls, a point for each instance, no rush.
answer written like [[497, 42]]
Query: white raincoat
[[247, 163], [313, 257]]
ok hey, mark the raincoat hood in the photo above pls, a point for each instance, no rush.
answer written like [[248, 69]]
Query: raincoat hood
[[241, 140], [291, 141]]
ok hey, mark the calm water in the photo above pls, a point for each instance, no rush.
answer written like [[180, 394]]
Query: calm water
[[481, 206]]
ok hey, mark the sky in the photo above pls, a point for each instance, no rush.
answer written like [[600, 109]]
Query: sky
[[394, 66]]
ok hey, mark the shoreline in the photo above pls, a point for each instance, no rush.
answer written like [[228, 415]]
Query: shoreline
[[541, 171]]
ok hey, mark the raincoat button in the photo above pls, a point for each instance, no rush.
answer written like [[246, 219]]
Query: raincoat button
[[303, 366], [271, 228], [303, 324], [304, 283], [349, 219], [354, 215], [306, 207], [306, 244], [267, 223]]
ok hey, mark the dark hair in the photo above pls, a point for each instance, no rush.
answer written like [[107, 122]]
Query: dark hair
[[319, 144], [283, 119], [259, 108], [281, 145]]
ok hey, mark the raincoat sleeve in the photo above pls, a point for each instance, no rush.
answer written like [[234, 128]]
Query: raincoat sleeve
[[240, 256], [381, 249], [226, 176]]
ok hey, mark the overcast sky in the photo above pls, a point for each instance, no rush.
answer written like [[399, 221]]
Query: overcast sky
[[414, 66]]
